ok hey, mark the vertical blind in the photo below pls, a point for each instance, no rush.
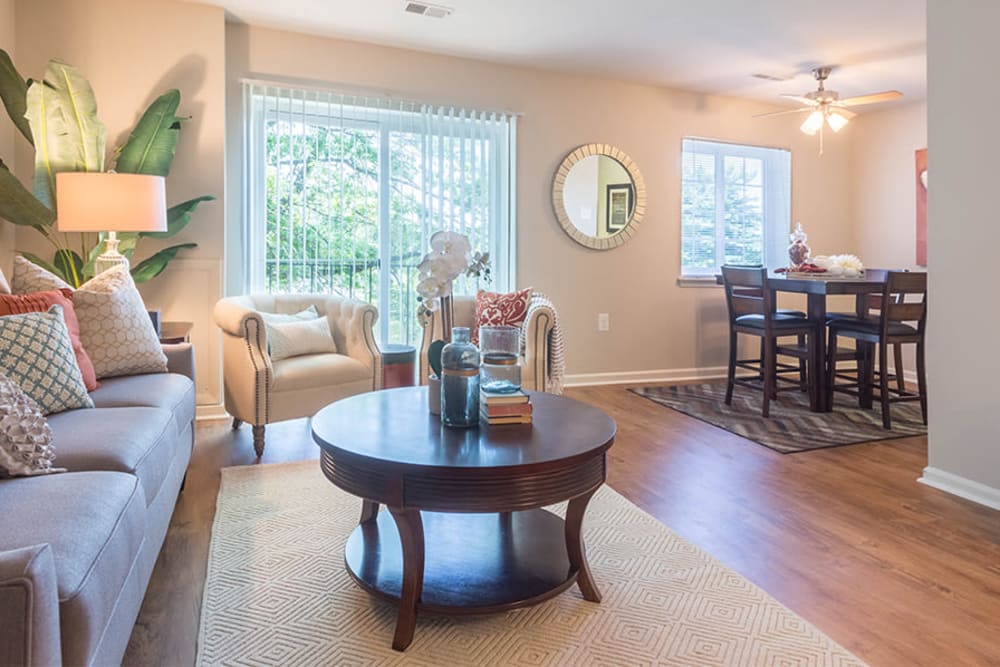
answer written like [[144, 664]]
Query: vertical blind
[[343, 192], [735, 205]]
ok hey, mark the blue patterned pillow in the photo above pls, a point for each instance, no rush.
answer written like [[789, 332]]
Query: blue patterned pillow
[[36, 353]]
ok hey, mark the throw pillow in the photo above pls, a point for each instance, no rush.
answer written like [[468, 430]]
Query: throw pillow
[[495, 309], [4, 285], [39, 302], [293, 339], [29, 277], [309, 313], [25, 436], [36, 353], [115, 328]]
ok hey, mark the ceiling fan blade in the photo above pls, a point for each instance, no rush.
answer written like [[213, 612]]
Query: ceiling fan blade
[[844, 112], [800, 99], [781, 113], [871, 99]]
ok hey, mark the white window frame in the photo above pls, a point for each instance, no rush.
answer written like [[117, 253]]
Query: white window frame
[[502, 138], [776, 164]]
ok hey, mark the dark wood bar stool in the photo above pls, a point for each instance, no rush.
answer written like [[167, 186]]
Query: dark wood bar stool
[[752, 312], [904, 300]]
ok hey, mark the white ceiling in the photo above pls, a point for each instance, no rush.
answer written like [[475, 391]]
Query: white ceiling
[[710, 46]]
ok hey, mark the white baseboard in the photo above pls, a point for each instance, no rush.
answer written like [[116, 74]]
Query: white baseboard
[[632, 377], [961, 487], [210, 412]]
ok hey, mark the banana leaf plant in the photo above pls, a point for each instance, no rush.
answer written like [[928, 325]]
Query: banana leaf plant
[[57, 115]]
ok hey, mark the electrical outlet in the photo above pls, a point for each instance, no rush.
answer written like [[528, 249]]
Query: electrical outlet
[[603, 322]]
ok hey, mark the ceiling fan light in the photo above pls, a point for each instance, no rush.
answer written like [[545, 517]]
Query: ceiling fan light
[[813, 123], [837, 121]]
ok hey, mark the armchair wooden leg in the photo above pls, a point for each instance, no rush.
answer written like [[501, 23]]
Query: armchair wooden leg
[[258, 439], [237, 422]]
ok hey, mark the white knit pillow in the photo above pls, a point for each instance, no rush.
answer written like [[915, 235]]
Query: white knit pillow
[[293, 339], [115, 328], [4, 285]]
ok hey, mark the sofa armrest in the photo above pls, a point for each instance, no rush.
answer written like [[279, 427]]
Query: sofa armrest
[[352, 324], [29, 607], [180, 359], [535, 332]]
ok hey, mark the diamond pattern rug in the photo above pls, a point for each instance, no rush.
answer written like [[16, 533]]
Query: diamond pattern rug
[[277, 593], [791, 426]]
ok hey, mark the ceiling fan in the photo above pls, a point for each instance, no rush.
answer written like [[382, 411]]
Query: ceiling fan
[[827, 108]]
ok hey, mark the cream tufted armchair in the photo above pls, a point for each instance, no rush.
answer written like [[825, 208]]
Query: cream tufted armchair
[[260, 391], [538, 373]]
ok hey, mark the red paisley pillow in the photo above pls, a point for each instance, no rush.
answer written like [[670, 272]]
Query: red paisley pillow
[[494, 309]]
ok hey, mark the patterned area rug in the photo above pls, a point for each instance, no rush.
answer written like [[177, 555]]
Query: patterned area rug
[[277, 593], [791, 426]]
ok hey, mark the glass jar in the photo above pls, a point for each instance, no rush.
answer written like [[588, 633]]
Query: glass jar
[[798, 251], [460, 380], [500, 372]]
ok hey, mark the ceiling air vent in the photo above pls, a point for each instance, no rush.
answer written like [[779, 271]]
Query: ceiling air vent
[[426, 9]]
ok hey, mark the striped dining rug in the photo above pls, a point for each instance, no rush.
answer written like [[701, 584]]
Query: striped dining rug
[[277, 593], [791, 427]]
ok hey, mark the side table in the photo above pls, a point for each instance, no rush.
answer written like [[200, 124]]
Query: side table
[[398, 365], [175, 332]]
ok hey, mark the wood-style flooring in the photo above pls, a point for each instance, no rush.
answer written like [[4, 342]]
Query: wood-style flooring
[[897, 572]]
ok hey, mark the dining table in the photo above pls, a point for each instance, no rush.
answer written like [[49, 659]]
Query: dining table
[[817, 287]]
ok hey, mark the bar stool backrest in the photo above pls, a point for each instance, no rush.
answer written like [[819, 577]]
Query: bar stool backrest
[[745, 291]]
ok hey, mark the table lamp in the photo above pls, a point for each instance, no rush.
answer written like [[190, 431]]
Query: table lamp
[[112, 203]]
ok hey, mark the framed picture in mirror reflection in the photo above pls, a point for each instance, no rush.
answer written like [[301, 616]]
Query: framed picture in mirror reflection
[[619, 204]]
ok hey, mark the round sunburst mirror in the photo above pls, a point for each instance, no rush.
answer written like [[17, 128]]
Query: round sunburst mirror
[[599, 196]]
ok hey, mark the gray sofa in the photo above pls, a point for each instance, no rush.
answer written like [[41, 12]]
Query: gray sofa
[[77, 548]]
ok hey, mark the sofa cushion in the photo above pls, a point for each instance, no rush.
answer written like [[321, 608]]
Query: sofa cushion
[[155, 390], [317, 370], [136, 440], [95, 524]]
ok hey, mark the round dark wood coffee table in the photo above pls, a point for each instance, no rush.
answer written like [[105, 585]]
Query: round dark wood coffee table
[[465, 532]]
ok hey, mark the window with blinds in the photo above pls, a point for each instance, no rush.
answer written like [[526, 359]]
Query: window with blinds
[[343, 193], [735, 205]]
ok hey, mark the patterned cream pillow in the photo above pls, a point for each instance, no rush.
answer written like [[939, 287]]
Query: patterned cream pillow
[[25, 436], [29, 277], [115, 328], [293, 339]]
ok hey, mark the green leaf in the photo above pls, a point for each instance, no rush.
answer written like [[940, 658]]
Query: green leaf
[[38, 261], [149, 268], [69, 266], [150, 148], [434, 356], [178, 217], [62, 113], [13, 91], [20, 207]]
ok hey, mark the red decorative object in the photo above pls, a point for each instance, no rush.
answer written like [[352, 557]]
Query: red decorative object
[[40, 302], [495, 309], [921, 160]]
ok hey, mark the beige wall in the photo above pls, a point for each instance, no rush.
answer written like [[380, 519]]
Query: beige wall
[[963, 237], [882, 166], [656, 327], [132, 52], [7, 132]]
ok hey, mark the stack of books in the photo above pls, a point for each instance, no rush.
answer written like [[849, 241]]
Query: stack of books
[[505, 408]]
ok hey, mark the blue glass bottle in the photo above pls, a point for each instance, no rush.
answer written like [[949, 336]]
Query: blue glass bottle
[[460, 381]]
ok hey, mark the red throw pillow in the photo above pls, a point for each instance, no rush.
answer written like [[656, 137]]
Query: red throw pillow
[[39, 302], [494, 309]]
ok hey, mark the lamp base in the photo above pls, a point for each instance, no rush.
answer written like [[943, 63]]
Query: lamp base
[[110, 258]]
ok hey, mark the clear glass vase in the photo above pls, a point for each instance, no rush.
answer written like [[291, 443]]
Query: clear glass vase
[[500, 372], [460, 381]]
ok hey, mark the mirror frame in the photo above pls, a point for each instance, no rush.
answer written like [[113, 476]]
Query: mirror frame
[[559, 182]]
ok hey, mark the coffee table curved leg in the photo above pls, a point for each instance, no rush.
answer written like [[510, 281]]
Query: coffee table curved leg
[[411, 537], [575, 548], [369, 511]]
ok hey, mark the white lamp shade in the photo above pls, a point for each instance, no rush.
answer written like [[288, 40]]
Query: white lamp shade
[[837, 121], [106, 202], [813, 123]]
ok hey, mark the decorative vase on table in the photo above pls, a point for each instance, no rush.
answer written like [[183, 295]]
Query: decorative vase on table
[[798, 251], [460, 381], [501, 372]]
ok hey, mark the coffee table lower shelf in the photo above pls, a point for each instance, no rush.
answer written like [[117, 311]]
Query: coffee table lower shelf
[[473, 563]]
